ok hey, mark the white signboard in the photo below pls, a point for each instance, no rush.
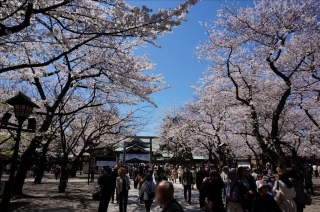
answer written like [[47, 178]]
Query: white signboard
[[244, 164], [144, 157], [105, 163]]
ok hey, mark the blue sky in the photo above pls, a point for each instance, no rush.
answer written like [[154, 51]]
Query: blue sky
[[175, 59]]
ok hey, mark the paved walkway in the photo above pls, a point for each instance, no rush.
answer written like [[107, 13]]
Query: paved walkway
[[78, 195]]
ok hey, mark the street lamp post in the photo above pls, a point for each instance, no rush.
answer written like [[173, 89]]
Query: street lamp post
[[23, 107]]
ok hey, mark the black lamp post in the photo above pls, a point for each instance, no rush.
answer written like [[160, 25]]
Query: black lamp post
[[23, 107]]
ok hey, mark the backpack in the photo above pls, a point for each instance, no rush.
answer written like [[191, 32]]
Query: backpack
[[96, 194], [150, 193]]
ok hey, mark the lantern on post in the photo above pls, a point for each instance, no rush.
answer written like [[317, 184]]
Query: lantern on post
[[23, 107]]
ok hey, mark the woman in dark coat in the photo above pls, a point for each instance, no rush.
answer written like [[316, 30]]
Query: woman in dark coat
[[297, 183], [264, 202], [212, 188]]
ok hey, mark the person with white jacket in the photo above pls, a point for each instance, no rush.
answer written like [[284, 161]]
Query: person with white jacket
[[285, 192], [180, 172], [123, 187], [147, 191]]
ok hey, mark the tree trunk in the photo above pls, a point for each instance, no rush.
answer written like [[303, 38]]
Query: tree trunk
[[41, 168], [64, 174], [296, 161], [25, 166], [210, 157], [74, 167], [42, 163], [281, 158]]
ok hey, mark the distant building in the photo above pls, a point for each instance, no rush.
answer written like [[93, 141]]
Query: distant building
[[138, 149]]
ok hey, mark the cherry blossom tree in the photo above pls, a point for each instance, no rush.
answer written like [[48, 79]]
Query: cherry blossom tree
[[263, 59], [50, 30], [81, 52], [260, 95]]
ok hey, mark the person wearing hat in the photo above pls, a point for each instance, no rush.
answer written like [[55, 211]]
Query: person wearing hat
[[263, 201], [235, 193]]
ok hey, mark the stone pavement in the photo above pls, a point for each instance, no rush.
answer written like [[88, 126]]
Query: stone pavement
[[78, 195]]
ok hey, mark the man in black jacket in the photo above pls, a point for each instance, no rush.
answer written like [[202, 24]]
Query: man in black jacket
[[105, 182], [164, 195], [114, 175], [199, 179], [187, 180]]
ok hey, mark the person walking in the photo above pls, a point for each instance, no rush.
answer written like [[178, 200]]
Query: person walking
[[212, 188], [161, 177], [314, 167], [92, 171], [105, 183], [297, 183], [316, 172], [263, 201], [140, 178], [8, 167], [147, 190], [123, 187], [308, 182], [235, 193], [244, 175], [57, 172], [285, 193], [174, 175], [114, 175], [224, 173], [165, 197], [187, 180], [201, 174], [194, 176], [180, 172], [255, 173]]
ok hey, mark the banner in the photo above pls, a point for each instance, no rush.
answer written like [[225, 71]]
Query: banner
[[105, 163], [144, 157]]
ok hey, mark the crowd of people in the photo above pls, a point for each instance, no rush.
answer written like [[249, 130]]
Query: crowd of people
[[229, 189]]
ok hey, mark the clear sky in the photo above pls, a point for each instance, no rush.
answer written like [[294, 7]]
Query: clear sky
[[175, 59]]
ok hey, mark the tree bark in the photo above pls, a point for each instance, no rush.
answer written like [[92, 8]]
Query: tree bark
[[42, 164], [64, 174], [25, 166], [41, 168], [74, 167]]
